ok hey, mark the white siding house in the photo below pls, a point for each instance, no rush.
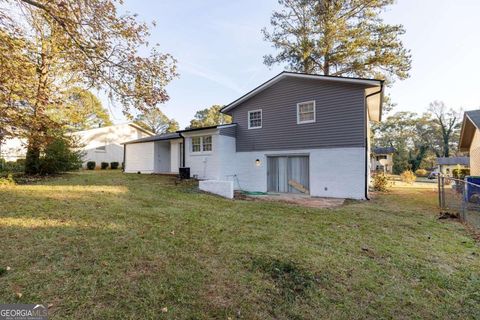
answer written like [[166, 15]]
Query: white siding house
[[100, 144], [105, 144]]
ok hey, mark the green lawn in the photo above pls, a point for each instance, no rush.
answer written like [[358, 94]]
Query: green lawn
[[104, 245]]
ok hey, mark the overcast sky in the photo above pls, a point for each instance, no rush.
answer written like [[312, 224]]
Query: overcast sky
[[219, 48]]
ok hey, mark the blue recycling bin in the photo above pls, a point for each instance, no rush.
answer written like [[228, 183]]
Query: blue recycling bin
[[472, 189]]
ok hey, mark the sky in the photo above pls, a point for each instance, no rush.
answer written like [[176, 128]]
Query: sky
[[220, 49]]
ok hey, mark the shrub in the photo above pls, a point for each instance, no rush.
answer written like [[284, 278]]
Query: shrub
[[11, 166], [380, 182], [421, 173], [114, 165], [104, 165], [8, 181], [460, 173], [408, 176], [60, 157], [91, 165]]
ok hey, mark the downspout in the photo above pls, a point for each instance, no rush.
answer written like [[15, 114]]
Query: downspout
[[124, 153], [183, 149], [367, 169]]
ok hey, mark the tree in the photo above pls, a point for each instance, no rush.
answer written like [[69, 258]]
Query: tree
[[81, 110], [157, 122], [409, 134], [447, 124], [209, 117], [61, 44], [337, 37]]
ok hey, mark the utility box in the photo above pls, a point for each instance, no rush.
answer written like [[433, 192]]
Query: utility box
[[184, 173]]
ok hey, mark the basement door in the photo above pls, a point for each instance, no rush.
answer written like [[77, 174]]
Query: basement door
[[289, 174]]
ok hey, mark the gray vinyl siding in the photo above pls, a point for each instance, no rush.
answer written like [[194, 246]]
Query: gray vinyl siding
[[340, 116], [228, 131]]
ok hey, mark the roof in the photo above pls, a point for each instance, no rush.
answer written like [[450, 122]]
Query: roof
[[471, 123], [132, 124], [158, 137], [285, 74], [206, 128], [465, 161], [383, 150], [177, 134]]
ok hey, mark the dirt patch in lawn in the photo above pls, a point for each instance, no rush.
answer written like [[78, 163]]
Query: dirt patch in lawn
[[297, 199]]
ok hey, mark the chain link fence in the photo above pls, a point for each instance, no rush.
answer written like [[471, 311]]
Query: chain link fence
[[460, 197]]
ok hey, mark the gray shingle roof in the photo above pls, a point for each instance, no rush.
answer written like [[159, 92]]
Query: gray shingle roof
[[453, 161], [158, 137], [474, 115], [383, 150]]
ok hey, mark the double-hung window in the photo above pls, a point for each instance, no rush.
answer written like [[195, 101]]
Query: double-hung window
[[306, 112], [196, 144], [207, 143], [255, 119], [202, 144]]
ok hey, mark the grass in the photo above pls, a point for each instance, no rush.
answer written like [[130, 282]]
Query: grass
[[104, 245]]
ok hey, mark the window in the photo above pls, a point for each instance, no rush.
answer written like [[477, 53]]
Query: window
[[207, 143], [200, 144], [254, 119], [101, 149], [196, 144], [306, 112]]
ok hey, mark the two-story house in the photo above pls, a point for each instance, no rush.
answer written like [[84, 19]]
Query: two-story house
[[295, 133]]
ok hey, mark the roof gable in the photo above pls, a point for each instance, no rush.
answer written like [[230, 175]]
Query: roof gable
[[367, 83], [471, 123]]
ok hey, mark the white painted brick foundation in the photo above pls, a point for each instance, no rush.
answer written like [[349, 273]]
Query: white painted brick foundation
[[219, 187]]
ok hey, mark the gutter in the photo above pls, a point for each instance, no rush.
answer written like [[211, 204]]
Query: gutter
[[367, 169]]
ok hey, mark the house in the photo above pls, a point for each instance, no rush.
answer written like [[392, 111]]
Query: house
[[99, 144], [295, 133], [382, 159], [12, 149], [105, 144], [470, 139], [446, 165]]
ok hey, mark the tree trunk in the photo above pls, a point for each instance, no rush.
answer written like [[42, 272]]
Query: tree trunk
[[37, 128], [32, 161]]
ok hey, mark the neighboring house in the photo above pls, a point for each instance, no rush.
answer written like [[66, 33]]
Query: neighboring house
[[382, 159], [447, 165], [12, 149], [295, 133], [105, 144], [99, 144], [470, 139]]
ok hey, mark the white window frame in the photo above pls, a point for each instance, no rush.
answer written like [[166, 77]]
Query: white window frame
[[203, 143], [201, 151], [314, 112], [200, 145], [261, 119]]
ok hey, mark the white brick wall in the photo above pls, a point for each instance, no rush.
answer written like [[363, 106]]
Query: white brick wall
[[205, 165], [335, 172], [139, 157], [221, 188]]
